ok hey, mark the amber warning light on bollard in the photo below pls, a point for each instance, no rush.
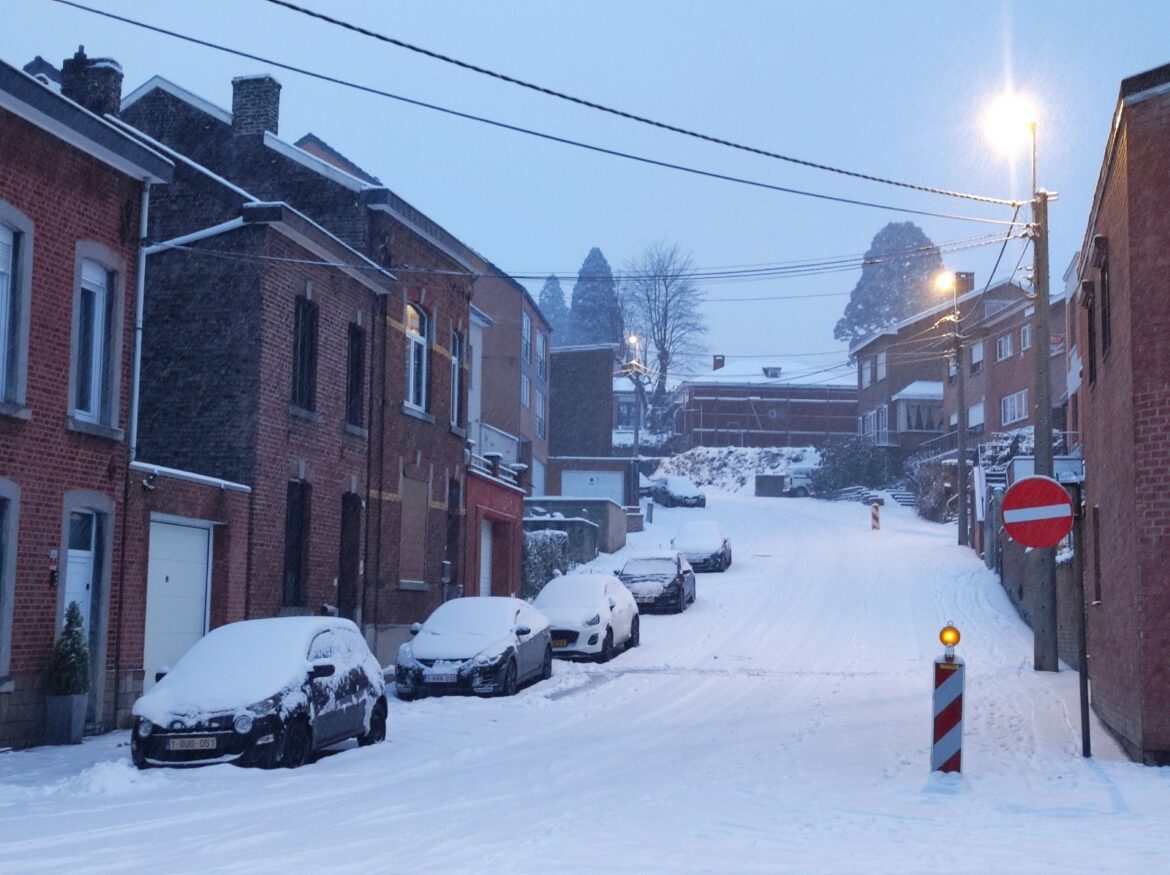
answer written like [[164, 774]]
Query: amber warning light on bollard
[[946, 754]]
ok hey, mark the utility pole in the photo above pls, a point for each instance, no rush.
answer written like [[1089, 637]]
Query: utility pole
[[961, 445], [1046, 656]]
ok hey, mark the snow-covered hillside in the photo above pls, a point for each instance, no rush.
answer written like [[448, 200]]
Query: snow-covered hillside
[[734, 469]]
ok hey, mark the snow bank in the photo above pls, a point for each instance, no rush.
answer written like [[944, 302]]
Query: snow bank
[[734, 469]]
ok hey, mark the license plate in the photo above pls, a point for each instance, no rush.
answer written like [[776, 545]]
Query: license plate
[[441, 678], [191, 744], [645, 600], [560, 642]]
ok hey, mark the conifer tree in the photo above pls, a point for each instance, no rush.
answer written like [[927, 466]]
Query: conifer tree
[[552, 305], [595, 315]]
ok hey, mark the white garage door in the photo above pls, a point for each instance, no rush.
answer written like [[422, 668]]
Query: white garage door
[[594, 484], [176, 593]]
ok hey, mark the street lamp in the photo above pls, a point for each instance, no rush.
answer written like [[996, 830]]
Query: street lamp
[[636, 377], [1012, 121], [945, 282]]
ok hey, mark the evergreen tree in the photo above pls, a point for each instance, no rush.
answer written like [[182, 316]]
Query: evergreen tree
[[552, 305], [595, 315], [897, 281], [69, 670]]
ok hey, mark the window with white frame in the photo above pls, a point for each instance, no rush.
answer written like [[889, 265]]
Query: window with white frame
[[526, 337], [864, 366], [525, 390], [951, 370], [456, 378], [977, 357], [16, 239], [541, 355], [416, 357], [883, 424], [1026, 336], [881, 366], [539, 414], [975, 417], [9, 246], [1014, 407], [1003, 347], [93, 357]]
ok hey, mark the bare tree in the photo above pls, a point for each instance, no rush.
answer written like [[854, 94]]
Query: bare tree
[[662, 302]]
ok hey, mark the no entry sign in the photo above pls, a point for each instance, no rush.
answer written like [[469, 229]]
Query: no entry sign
[[1037, 512]]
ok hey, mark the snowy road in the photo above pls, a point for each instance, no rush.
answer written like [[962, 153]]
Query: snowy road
[[781, 724]]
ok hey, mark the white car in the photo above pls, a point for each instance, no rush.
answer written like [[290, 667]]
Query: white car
[[590, 615], [482, 645], [705, 545]]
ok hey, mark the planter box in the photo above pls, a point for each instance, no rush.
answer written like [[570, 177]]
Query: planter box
[[65, 720]]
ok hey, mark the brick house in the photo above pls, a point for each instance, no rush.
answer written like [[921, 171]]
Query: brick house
[[414, 517], [1122, 316], [754, 403], [73, 190], [902, 372]]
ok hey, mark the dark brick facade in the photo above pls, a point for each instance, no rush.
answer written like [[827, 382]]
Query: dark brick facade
[[582, 401], [1123, 336]]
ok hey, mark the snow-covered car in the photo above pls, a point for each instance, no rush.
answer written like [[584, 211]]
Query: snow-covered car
[[675, 491], [590, 614], [486, 645], [262, 692], [705, 545], [659, 580]]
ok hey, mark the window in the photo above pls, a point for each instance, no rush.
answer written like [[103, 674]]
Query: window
[[1014, 407], [1003, 347], [977, 357], [525, 391], [412, 544], [881, 366], [526, 337], [539, 414], [864, 366], [304, 378], [1025, 336], [883, 424], [975, 417], [1089, 298], [16, 237], [1106, 318], [625, 417], [416, 357], [296, 545], [951, 369], [9, 513], [93, 357], [456, 378], [355, 379], [541, 356]]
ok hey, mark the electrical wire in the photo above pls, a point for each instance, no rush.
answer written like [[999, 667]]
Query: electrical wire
[[631, 116], [682, 168]]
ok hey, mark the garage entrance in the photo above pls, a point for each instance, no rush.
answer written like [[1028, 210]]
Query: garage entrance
[[178, 585], [594, 484]]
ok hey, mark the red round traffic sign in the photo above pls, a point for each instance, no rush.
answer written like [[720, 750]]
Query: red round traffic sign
[[1037, 512]]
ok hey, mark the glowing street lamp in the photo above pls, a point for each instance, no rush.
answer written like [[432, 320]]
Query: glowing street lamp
[[946, 282]]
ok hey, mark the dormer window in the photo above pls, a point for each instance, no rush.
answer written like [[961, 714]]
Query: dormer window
[[772, 372]]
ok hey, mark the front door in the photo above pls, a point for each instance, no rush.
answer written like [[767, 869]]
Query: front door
[[485, 557], [79, 563], [349, 563]]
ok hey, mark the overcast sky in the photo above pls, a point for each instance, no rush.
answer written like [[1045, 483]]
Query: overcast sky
[[891, 89]]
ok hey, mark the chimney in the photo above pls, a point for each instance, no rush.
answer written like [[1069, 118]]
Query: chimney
[[964, 282], [95, 83], [717, 362], [255, 105]]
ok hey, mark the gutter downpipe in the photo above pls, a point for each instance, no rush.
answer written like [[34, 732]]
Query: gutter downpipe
[[139, 303]]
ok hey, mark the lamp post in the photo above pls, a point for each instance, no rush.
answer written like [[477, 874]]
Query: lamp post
[[946, 282], [636, 377], [1013, 117]]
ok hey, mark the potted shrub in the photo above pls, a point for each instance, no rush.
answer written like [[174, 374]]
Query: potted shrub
[[68, 685]]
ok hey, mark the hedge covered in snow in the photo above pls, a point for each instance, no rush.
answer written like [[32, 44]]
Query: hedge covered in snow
[[545, 554], [734, 469]]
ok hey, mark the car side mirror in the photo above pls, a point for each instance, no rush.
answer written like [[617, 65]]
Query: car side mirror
[[521, 631], [612, 604], [160, 674], [322, 670], [617, 572], [415, 628]]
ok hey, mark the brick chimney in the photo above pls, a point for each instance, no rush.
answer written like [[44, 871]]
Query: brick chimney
[[717, 362], [964, 282], [255, 105], [95, 83]]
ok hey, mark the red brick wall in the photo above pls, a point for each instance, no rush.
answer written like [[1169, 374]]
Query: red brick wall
[[70, 197], [503, 505]]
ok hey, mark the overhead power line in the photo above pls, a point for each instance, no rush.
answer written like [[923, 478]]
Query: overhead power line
[[721, 141], [682, 168]]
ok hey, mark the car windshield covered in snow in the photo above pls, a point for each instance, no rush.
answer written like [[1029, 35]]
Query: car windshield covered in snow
[[681, 487], [571, 591], [649, 565], [471, 616], [702, 535]]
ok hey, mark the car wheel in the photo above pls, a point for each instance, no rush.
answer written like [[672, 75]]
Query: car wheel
[[682, 599], [296, 744], [508, 687], [405, 696], [635, 633], [140, 760], [606, 647], [547, 672], [377, 725], [800, 492]]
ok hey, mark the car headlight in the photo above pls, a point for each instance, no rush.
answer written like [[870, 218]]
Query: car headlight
[[594, 620], [243, 723], [492, 661], [262, 708], [145, 727]]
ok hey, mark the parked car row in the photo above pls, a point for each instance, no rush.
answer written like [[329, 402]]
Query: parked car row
[[274, 692]]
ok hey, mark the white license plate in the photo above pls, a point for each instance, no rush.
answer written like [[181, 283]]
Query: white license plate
[[191, 744], [645, 600], [440, 678]]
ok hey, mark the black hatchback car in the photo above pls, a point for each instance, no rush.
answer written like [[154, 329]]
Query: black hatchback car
[[263, 692], [659, 581]]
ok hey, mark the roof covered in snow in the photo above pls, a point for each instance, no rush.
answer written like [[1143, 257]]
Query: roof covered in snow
[[921, 390], [778, 372]]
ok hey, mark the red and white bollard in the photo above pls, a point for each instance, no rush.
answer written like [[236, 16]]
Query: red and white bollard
[[875, 516], [946, 753]]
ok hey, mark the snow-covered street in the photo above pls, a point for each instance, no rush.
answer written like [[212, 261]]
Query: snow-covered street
[[780, 724]]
